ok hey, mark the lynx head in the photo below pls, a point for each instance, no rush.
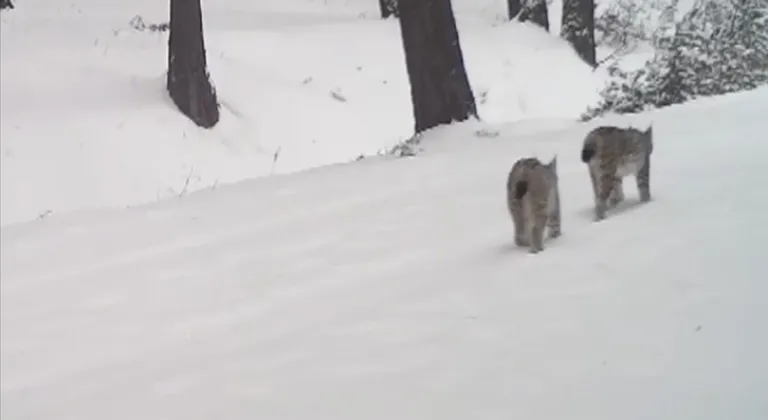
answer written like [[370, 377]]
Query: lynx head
[[640, 136]]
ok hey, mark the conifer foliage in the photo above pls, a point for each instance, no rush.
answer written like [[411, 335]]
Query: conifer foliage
[[718, 47]]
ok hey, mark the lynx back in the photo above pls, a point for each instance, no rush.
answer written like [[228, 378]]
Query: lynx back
[[613, 153]]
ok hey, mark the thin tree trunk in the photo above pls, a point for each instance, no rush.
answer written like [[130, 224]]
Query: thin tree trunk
[[536, 11], [188, 82], [513, 8], [440, 89], [388, 8], [578, 28]]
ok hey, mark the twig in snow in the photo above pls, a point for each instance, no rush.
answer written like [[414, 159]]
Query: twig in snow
[[338, 96], [275, 157], [186, 182], [45, 214], [624, 49], [487, 132]]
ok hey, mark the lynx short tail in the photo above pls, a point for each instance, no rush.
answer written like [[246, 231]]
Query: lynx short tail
[[520, 189], [587, 153]]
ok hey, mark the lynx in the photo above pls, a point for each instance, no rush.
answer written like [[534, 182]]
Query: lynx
[[613, 153], [533, 201]]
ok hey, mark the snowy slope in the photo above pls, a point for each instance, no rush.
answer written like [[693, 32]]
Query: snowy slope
[[390, 289], [86, 122]]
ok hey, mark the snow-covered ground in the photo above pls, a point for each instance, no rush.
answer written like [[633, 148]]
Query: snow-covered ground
[[390, 289], [86, 122], [380, 289]]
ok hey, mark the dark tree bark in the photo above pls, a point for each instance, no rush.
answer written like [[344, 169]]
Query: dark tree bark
[[440, 90], [6, 4], [188, 81], [536, 11], [578, 28], [513, 8], [388, 8]]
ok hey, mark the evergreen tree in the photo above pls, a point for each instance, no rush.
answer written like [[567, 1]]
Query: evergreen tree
[[578, 28], [535, 11], [388, 8], [513, 8], [718, 47], [440, 90], [188, 81]]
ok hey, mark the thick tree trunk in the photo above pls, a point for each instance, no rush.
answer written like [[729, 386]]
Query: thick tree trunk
[[388, 8], [6, 4], [513, 8], [578, 28], [440, 90], [188, 82], [535, 11]]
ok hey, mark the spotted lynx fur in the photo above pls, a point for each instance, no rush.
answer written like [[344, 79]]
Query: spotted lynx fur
[[533, 201], [613, 153]]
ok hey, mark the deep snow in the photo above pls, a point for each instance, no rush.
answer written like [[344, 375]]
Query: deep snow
[[390, 289], [381, 289], [86, 122]]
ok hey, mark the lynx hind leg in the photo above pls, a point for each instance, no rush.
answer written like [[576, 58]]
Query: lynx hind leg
[[617, 192], [518, 218], [605, 185], [643, 178]]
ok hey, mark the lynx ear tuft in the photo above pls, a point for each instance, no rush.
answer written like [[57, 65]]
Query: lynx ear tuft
[[553, 163], [649, 130]]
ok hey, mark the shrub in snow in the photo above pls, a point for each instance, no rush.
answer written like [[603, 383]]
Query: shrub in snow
[[626, 23], [619, 24], [406, 148], [138, 24], [718, 47]]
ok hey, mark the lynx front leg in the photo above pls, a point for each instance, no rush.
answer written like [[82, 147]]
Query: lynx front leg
[[553, 219], [643, 178], [518, 218]]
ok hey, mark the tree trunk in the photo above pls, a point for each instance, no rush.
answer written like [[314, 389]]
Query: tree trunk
[[513, 8], [535, 11], [578, 28], [6, 4], [388, 8], [188, 82], [440, 90]]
